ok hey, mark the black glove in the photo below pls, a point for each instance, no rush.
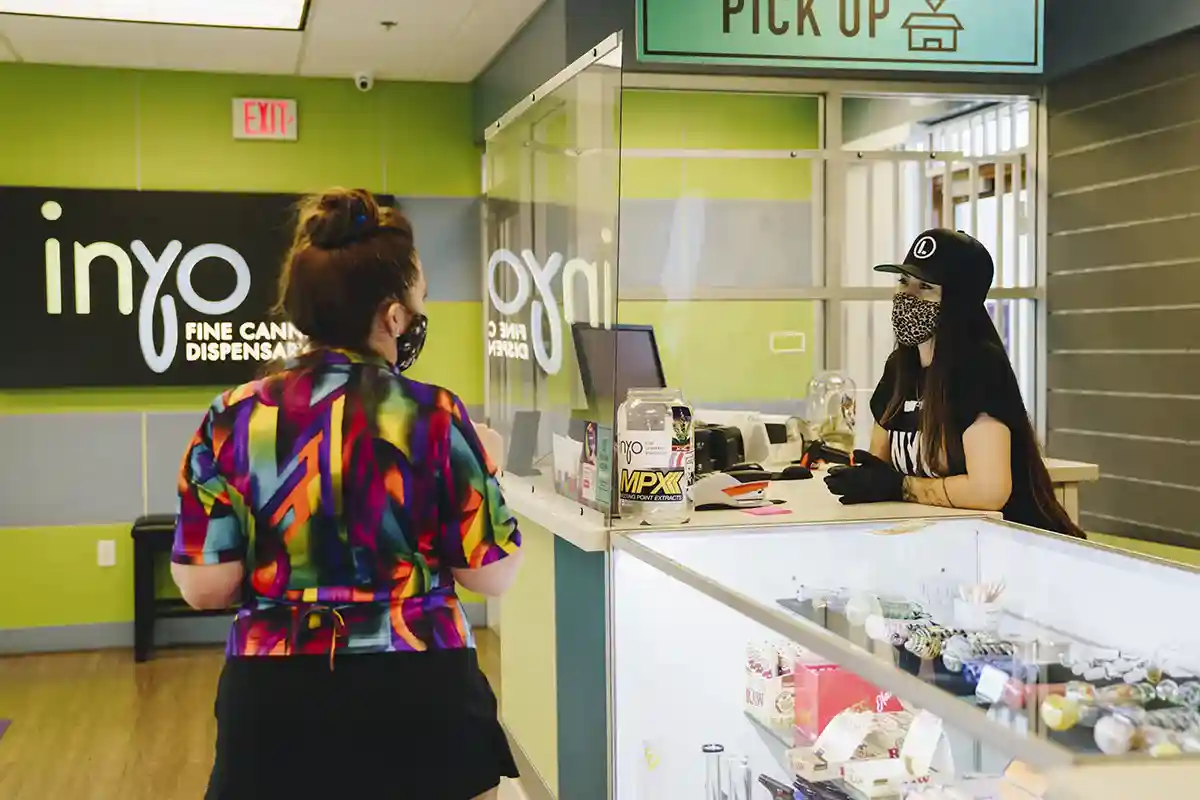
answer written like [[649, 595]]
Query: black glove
[[870, 480]]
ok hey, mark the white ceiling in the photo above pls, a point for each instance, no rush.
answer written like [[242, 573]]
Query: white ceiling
[[434, 40]]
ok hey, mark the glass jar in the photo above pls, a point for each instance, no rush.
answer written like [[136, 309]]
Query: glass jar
[[655, 457], [832, 409]]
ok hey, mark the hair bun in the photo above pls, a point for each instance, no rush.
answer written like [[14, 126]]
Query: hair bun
[[341, 216]]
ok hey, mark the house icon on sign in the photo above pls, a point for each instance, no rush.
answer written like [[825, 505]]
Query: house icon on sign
[[932, 32]]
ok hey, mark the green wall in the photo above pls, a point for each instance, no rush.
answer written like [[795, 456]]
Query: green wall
[[123, 129], [120, 129], [731, 333]]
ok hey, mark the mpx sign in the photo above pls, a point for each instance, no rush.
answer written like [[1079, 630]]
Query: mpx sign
[[927, 35]]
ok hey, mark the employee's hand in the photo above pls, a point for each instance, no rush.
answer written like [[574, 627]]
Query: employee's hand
[[870, 480]]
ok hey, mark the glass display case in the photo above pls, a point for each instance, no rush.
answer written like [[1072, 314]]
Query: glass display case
[[962, 658]]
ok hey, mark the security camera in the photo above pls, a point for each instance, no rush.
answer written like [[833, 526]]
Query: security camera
[[364, 81]]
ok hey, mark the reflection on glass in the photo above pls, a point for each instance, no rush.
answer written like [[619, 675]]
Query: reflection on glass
[[551, 203]]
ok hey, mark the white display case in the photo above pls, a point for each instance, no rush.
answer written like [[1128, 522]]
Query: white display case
[[1075, 620]]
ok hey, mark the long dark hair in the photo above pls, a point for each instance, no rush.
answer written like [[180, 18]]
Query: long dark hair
[[962, 330]]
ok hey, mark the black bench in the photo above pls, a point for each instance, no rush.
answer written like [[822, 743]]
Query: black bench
[[153, 535]]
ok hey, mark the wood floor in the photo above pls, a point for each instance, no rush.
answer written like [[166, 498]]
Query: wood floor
[[95, 726]]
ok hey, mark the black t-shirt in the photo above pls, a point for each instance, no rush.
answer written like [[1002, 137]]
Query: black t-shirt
[[984, 384]]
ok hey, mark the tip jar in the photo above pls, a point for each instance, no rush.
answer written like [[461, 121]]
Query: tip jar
[[832, 409], [655, 457]]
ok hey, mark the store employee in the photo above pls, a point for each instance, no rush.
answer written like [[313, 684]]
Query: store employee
[[951, 428]]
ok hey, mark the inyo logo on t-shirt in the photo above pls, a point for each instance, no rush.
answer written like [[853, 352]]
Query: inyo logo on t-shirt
[[206, 341]]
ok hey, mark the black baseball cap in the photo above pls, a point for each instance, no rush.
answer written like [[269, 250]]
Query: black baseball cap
[[953, 260]]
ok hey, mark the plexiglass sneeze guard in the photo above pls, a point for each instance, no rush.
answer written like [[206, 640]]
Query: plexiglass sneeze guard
[[552, 193], [996, 643]]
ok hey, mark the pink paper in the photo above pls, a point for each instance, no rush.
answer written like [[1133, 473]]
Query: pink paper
[[766, 511]]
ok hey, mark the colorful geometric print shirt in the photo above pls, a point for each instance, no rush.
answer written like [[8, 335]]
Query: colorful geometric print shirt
[[349, 492]]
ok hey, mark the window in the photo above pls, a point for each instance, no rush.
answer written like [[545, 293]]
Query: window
[[966, 163]]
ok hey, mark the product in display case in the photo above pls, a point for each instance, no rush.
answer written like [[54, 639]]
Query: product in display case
[[969, 637], [823, 690], [853, 736], [713, 753], [770, 691]]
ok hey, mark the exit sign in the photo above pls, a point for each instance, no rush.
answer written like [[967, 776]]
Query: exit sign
[[262, 118]]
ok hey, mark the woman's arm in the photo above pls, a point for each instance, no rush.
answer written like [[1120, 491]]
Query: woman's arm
[[209, 588], [486, 554], [880, 446], [987, 445], [209, 548], [492, 580]]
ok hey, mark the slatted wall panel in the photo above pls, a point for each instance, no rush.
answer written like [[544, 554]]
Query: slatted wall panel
[[1124, 287]]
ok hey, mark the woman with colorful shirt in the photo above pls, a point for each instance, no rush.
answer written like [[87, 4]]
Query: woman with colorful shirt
[[342, 503]]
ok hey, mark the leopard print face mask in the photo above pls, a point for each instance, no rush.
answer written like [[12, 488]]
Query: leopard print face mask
[[914, 320]]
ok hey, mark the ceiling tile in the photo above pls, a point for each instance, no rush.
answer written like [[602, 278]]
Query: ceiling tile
[[46, 40], [351, 38], [446, 40], [118, 44], [485, 31], [226, 50]]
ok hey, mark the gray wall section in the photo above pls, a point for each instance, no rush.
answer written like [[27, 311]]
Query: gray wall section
[[535, 54], [167, 437], [70, 469], [447, 230], [1082, 32], [863, 116], [103, 636], [1124, 287], [678, 245]]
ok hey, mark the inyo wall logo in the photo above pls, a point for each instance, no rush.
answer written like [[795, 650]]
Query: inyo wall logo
[[513, 339], [206, 341]]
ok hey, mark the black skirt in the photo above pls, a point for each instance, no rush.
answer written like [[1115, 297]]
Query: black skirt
[[385, 725]]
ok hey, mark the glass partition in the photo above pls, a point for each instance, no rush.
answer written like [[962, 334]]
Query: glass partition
[[745, 226], [551, 194], [721, 242]]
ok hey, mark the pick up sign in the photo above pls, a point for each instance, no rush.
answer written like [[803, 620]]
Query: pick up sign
[[926, 35]]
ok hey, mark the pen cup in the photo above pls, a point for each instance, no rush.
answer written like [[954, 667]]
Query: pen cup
[[976, 616]]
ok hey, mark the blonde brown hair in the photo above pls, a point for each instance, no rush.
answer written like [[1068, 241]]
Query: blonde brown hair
[[349, 257]]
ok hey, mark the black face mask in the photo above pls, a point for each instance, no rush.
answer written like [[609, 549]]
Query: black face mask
[[410, 343]]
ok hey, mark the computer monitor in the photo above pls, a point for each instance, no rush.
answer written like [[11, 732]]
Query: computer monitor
[[614, 360]]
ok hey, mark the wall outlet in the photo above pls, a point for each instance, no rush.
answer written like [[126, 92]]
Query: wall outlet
[[106, 553]]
